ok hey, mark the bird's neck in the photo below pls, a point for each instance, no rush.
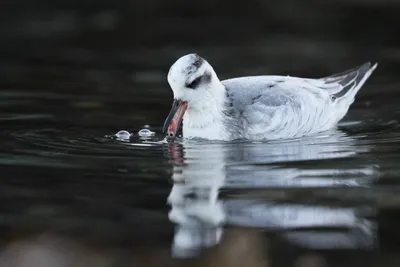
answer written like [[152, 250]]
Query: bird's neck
[[206, 117]]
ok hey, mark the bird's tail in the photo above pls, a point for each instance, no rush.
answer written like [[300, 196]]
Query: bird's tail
[[351, 81]]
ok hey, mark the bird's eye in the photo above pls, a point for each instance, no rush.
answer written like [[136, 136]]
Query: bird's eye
[[194, 83]]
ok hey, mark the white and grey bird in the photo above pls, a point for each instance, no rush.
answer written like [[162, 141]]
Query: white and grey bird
[[257, 107]]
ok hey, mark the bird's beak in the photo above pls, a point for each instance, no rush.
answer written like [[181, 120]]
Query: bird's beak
[[174, 119]]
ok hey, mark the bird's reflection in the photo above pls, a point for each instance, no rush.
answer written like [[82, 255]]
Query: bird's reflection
[[201, 169]]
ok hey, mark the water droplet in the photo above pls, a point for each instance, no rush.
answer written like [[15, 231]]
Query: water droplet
[[123, 135], [145, 133]]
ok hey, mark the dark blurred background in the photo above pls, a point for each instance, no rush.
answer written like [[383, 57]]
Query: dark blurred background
[[125, 48]]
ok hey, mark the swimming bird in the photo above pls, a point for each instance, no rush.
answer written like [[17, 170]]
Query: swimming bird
[[265, 107]]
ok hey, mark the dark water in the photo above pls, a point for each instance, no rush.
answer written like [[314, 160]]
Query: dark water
[[73, 72], [61, 173]]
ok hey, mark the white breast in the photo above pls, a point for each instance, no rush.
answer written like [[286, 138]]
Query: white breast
[[212, 131]]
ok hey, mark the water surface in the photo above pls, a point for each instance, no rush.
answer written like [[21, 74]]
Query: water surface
[[62, 172]]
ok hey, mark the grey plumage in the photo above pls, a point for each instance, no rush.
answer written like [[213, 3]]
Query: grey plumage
[[256, 100]]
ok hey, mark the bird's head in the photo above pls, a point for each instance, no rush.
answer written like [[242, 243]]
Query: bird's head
[[195, 86]]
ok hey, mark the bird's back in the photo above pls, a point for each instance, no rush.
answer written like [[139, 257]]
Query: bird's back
[[273, 107], [269, 107]]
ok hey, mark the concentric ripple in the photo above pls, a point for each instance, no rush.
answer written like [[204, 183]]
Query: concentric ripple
[[76, 143]]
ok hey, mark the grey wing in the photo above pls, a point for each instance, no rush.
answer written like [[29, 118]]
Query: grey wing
[[272, 91], [246, 91], [264, 100], [292, 105], [340, 85], [347, 82]]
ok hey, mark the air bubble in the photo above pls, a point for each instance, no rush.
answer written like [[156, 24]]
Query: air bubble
[[123, 135], [145, 133]]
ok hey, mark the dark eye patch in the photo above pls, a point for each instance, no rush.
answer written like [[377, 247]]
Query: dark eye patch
[[206, 77], [194, 83]]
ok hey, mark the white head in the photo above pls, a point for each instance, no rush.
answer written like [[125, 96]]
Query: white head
[[196, 89]]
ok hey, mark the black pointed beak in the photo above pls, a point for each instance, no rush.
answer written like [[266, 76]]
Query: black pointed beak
[[173, 121], [170, 115]]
